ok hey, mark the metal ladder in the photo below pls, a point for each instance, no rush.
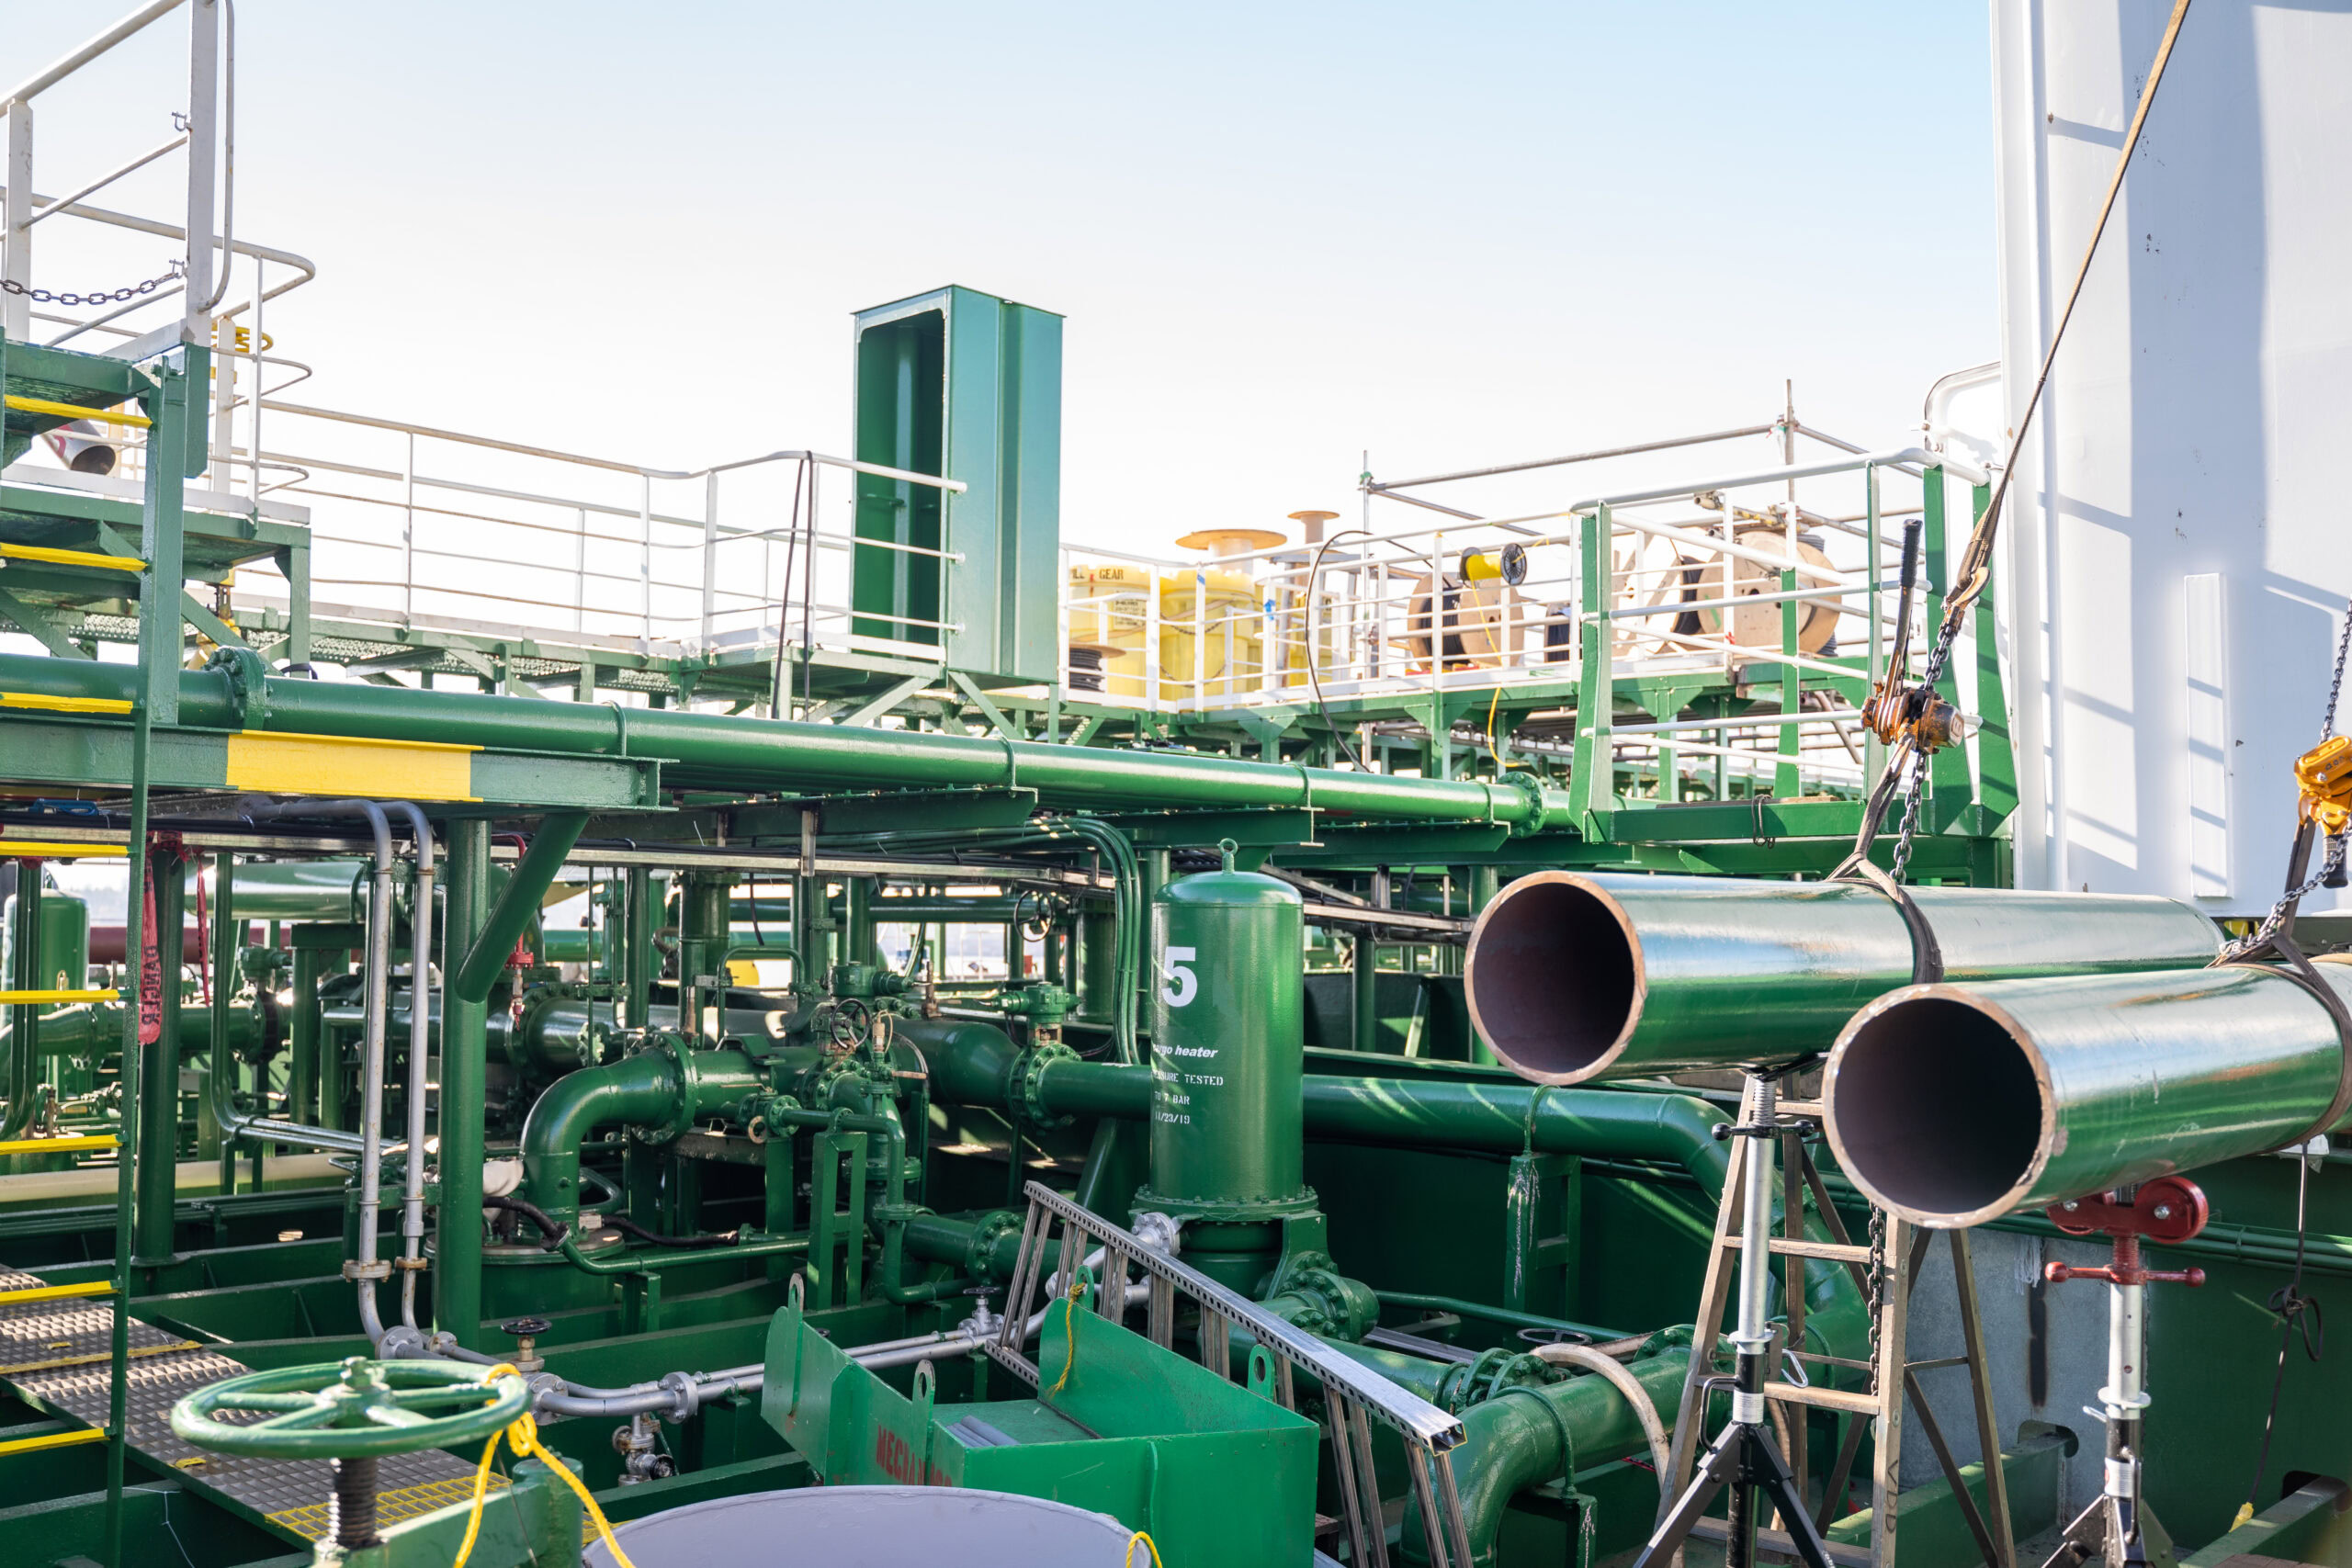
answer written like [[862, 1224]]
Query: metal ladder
[[1893, 1374], [1354, 1396]]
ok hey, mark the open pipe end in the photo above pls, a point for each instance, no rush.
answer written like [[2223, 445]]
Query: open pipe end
[[1554, 977], [1937, 1107]]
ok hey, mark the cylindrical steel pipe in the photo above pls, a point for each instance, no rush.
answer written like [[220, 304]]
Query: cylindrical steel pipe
[[1955, 1104], [723, 750], [1573, 976]]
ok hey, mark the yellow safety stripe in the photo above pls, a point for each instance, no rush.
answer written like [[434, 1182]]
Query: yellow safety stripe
[[45, 849], [288, 762], [84, 1144], [63, 704], [71, 558], [54, 1441], [30, 999], [74, 411], [57, 1293]]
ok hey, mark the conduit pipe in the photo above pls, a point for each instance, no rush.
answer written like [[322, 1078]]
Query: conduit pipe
[[1572, 976], [712, 749], [364, 1270], [1955, 1104]]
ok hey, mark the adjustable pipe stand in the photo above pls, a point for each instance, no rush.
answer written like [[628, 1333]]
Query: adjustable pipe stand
[[2118, 1526], [1744, 1456]]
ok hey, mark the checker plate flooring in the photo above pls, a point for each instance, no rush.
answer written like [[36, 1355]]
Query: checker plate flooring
[[56, 1354]]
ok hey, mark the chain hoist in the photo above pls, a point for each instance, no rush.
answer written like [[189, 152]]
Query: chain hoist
[[105, 296], [2323, 808]]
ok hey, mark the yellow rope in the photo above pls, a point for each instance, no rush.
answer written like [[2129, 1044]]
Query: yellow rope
[[1070, 1325], [1129, 1558], [522, 1434]]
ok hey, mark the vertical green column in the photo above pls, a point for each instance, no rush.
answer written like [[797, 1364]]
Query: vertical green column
[[857, 911], [465, 1047], [159, 1074], [1784, 772], [223, 1061], [24, 1020], [702, 916], [1592, 776], [637, 951], [303, 1038], [1365, 1012]]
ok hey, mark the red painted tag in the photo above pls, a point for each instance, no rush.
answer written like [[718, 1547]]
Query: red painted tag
[[151, 967]]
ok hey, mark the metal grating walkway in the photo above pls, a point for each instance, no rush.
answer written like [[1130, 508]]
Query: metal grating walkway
[[55, 1354]]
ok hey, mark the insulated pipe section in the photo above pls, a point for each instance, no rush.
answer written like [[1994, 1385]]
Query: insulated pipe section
[[1572, 978], [1952, 1104], [713, 749]]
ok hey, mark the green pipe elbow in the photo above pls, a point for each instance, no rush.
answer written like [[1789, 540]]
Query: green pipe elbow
[[1521, 1439], [647, 1088]]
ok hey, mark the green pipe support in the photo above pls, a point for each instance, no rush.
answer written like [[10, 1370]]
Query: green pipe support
[[465, 1068], [1572, 976], [303, 1076], [1955, 1104], [638, 962], [1364, 993], [517, 905]]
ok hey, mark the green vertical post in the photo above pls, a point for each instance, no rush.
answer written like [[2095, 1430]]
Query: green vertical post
[[637, 951], [703, 915], [159, 1074], [858, 913], [303, 1038], [1592, 781], [1365, 1010], [225, 948], [465, 1048], [24, 1019]]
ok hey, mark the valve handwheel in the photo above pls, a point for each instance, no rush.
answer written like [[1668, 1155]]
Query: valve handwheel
[[360, 1409]]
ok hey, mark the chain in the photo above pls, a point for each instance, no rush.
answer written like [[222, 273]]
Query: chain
[[129, 291], [1910, 814], [1877, 1280], [2334, 861]]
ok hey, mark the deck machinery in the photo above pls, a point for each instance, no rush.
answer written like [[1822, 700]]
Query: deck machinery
[[1243, 1048]]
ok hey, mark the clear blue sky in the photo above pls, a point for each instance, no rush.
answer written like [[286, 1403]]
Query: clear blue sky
[[1281, 233]]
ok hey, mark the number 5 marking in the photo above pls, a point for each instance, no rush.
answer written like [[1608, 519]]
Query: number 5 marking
[[1187, 985]]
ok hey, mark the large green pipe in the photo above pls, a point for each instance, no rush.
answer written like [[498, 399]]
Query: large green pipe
[[1572, 978], [1953, 1105], [715, 749], [1520, 1439], [975, 1064], [650, 1090]]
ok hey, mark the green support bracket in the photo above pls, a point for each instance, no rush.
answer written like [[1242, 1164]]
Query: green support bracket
[[1202, 829], [517, 905], [31, 619], [1003, 726]]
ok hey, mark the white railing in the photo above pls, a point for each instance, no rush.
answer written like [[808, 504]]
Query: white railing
[[1692, 581]]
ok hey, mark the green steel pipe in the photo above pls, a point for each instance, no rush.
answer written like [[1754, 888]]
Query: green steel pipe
[[333, 890], [712, 749], [159, 1088], [1955, 1104], [650, 1089], [1522, 1438], [975, 1064], [465, 1070], [518, 904], [1573, 976], [302, 1039], [637, 960]]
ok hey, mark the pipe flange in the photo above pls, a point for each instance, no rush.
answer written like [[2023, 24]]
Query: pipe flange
[[681, 1120], [1531, 789], [987, 1235], [1493, 1374], [401, 1343], [248, 685], [685, 1391], [1028, 1085]]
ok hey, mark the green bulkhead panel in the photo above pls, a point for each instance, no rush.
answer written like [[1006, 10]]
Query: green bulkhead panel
[[968, 386]]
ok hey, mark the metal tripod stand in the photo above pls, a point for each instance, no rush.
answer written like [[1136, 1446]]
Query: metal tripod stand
[[1744, 1456], [2118, 1526]]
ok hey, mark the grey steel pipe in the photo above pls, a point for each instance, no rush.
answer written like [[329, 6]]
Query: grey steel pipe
[[420, 1014], [1573, 976], [1955, 1104], [366, 1270]]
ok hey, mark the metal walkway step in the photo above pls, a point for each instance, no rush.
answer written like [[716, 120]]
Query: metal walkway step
[[55, 1354]]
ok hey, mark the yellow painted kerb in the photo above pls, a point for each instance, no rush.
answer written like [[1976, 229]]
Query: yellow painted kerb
[[335, 764]]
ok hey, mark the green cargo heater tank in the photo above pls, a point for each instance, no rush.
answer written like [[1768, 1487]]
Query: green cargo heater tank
[[1228, 1051]]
